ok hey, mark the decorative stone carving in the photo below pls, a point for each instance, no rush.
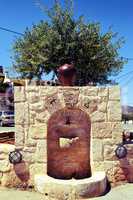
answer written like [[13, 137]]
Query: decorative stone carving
[[71, 97], [52, 103]]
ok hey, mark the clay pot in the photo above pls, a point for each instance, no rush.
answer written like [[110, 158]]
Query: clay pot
[[67, 74]]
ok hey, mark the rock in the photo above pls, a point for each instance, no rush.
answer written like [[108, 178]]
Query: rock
[[5, 166], [6, 148]]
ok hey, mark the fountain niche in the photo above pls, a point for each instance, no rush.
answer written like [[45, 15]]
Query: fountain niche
[[68, 144]]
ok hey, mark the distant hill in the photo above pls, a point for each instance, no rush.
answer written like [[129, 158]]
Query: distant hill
[[127, 112], [127, 109]]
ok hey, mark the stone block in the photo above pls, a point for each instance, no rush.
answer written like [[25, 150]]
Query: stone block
[[29, 149], [33, 97], [37, 107], [38, 131], [47, 91], [97, 166], [89, 104], [19, 135], [5, 166], [3, 156], [114, 93], [6, 148], [101, 130], [28, 157], [21, 113], [37, 168], [89, 91], [117, 133], [41, 152], [117, 136], [108, 141], [30, 142], [98, 117], [103, 92], [109, 152], [19, 94], [42, 117], [114, 111], [102, 165], [102, 107], [117, 126], [97, 150], [31, 88]]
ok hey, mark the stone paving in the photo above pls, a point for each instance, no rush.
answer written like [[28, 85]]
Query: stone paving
[[12, 194], [124, 192]]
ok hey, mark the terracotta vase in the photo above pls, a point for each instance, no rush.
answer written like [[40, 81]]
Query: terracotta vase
[[67, 75]]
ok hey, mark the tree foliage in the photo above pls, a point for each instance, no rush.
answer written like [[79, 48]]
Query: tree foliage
[[65, 39]]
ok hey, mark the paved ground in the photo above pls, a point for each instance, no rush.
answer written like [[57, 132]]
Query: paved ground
[[10, 194], [124, 192]]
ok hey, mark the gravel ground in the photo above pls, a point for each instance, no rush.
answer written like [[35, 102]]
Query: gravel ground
[[124, 192]]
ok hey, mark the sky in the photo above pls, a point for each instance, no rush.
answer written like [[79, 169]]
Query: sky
[[19, 14]]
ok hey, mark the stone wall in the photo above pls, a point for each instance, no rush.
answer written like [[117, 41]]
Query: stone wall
[[35, 104]]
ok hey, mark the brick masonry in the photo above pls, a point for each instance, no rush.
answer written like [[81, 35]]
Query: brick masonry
[[33, 107]]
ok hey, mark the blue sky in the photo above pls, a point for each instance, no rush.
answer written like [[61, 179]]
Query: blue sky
[[19, 14]]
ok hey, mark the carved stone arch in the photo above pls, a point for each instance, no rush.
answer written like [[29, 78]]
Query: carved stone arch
[[68, 144]]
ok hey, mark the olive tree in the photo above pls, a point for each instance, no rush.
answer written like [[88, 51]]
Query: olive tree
[[65, 39]]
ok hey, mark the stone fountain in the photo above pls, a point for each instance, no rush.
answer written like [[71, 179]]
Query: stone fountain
[[68, 151], [67, 136]]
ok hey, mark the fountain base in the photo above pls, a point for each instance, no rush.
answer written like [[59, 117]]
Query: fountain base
[[71, 189]]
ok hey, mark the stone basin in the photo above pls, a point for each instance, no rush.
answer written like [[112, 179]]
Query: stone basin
[[71, 189]]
